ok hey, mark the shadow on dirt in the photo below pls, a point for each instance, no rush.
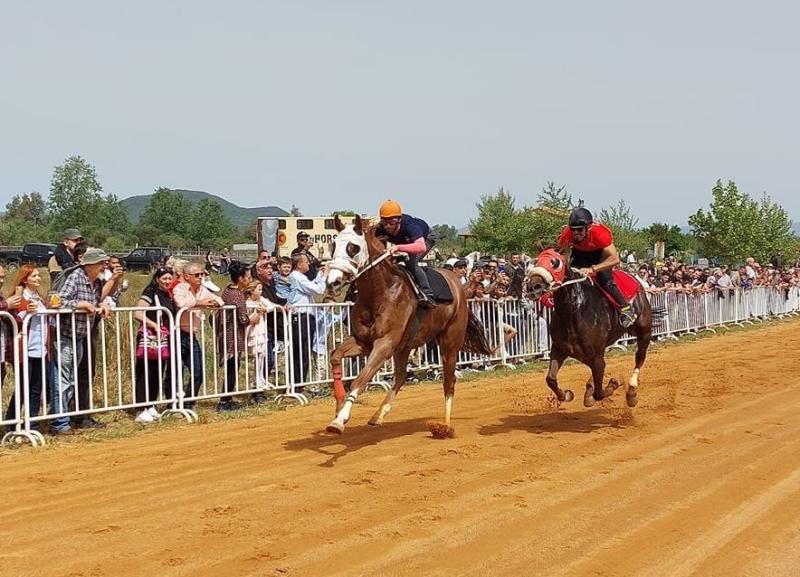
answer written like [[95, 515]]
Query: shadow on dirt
[[558, 422], [355, 437]]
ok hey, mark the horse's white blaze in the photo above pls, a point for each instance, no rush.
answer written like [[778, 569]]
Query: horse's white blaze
[[634, 382], [341, 263], [448, 408]]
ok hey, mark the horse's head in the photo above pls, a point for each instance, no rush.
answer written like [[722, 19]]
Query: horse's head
[[350, 253], [547, 271]]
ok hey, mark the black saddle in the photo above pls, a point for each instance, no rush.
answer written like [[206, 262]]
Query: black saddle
[[439, 286]]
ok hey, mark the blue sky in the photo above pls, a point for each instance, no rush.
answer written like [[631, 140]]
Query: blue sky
[[338, 105]]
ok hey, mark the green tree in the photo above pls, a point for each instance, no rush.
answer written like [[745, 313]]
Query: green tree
[[550, 215], [556, 199], [445, 233], [27, 207], [736, 227], [75, 199], [211, 228], [116, 220], [775, 232], [16, 232], [627, 237], [497, 226], [168, 212]]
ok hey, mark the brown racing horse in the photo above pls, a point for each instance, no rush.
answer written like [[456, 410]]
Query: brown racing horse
[[385, 322], [583, 324]]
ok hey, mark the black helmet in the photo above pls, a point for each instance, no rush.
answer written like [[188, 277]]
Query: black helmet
[[580, 217]]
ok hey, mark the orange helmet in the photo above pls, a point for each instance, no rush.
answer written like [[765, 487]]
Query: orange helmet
[[391, 209]]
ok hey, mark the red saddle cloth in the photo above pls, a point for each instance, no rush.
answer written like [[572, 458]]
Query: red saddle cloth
[[627, 284]]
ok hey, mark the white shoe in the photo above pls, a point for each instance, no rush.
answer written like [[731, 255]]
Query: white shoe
[[154, 413], [144, 417]]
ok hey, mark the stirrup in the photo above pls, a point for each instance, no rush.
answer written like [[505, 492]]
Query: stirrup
[[426, 302], [627, 317]]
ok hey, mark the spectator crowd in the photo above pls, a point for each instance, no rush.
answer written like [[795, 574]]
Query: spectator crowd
[[249, 322]]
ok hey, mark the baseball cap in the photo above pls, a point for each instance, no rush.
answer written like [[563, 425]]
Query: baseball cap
[[460, 262], [302, 235], [94, 256], [72, 234]]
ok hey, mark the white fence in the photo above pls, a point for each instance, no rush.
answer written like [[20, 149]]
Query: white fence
[[212, 355]]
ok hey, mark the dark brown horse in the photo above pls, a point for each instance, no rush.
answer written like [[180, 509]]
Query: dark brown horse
[[386, 322], [584, 324]]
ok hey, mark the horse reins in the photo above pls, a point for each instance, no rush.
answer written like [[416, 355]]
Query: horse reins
[[573, 281], [349, 268]]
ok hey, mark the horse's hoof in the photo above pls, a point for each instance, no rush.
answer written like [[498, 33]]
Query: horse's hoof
[[632, 397], [335, 427], [612, 386], [568, 396], [374, 422], [441, 431], [588, 397]]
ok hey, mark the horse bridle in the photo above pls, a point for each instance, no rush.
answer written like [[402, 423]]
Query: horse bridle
[[350, 266], [582, 278], [553, 286]]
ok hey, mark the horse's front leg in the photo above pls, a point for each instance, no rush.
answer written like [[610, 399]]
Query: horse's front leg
[[381, 351], [347, 349], [557, 359]]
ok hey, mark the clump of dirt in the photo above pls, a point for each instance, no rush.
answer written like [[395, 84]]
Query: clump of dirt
[[441, 431]]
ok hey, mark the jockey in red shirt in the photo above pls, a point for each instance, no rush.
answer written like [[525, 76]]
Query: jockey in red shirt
[[593, 252]]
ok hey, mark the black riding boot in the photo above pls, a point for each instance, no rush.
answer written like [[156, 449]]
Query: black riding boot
[[426, 294], [626, 315]]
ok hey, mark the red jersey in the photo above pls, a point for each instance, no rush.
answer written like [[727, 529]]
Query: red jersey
[[598, 237]]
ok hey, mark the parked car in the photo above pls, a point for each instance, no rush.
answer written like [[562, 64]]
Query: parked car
[[145, 258], [32, 253]]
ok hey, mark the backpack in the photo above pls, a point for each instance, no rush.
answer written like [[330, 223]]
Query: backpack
[[61, 278]]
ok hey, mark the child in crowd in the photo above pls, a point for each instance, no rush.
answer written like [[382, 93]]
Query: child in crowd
[[259, 344], [283, 286]]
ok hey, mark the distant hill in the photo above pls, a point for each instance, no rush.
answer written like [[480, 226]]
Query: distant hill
[[240, 216]]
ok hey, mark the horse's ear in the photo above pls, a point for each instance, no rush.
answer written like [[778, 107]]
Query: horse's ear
[[337, 223], [358, 225]]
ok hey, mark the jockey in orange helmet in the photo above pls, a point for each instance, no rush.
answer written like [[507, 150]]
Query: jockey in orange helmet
[[412, 236], [593, 251]]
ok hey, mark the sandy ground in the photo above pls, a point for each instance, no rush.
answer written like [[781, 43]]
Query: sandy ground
[[702, 478]]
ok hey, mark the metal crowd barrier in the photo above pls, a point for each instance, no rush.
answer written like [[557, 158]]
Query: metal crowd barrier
[[285, 355]]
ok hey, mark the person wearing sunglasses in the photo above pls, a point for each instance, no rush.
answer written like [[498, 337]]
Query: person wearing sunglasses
[[192, 293], [593, 252], [411, 236]]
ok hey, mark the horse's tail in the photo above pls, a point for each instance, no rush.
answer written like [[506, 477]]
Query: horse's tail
[[475, 340]]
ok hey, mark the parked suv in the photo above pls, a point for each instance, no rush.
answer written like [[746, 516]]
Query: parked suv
[[32, 253], [145, 258]]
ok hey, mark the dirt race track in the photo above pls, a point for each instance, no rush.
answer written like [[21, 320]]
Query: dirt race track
[[702, 478]]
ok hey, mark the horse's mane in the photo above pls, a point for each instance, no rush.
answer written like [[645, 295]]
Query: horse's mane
[[374, 243]]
